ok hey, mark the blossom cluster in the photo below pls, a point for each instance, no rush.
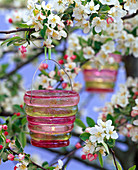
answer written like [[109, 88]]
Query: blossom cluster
[[99, 135], [66, 75], [11, 96], [50, 19], [41, 16], [92, 48], [123, 108], [13, 3]]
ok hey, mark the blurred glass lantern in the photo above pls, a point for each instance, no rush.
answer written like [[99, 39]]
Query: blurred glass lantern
[[50, 115], [101, 80]]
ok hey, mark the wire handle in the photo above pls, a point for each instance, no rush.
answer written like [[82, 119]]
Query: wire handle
[[59, 66]]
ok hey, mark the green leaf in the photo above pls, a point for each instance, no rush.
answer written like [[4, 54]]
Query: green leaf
[[17, 108], [118, 165], [80, 123], [1, 140], [43, 31], [111, 143], [50, 168], [10, 39], [15, 128], [4, 156], [23, 25], [132, 168], [22, 138], [121, 1], [100, 159], [45, 164], [4, 67], [84, 136], [105, 8], [14, 117], [24, 121], [97, 45], [31, 167], [18, 145], [106, 147], [90, 122], [2, 97], [93, 16]]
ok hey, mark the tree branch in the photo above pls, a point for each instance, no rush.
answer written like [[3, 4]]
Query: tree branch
[[17, 30], [78, 159], [113, 154], [38, 166], [130, 16], [20, 66]]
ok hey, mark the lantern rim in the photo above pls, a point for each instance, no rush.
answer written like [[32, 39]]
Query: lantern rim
[[51, 94]]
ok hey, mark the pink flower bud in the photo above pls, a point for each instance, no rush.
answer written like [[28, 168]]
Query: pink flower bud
[[73, 57], [23, 49], [69, 22], [95, 156], [136, 93], [10, 157], [134, 113], [10, 20], [15, 167], [64, 85], [65, 56], [116, 121], [18, 114], [4, 127], [43, 66], [128, 135], [1, 147], [78, 145], [109, 20], [8, 140], [123, 121], [83, 157], [61, 62], [6, 133]]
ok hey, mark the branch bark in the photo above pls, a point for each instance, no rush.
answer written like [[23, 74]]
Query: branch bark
[[78, 159], [17, 30], [20, 66], [38, 166], [130, 16]]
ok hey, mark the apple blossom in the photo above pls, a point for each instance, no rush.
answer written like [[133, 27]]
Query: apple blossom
[[21, 156], [60, 165], [98, 24]]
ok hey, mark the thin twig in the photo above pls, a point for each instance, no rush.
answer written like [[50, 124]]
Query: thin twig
[[68, 155], [31, 160], [59, 84], [113, 154], [130, 16], [17, 30], [20, 66]]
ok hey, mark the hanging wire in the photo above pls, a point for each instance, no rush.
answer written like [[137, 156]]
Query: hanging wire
[[58, 65]]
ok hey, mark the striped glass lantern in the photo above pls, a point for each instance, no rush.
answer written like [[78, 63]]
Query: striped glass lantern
[[101, 80], [50, 115]]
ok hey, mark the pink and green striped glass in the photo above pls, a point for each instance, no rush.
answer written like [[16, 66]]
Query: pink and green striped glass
[[51, 115]]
